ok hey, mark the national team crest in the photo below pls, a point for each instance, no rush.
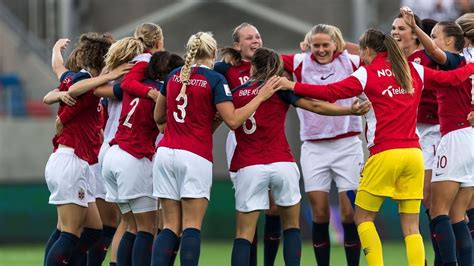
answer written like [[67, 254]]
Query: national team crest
[[81, 194], [417, 60]]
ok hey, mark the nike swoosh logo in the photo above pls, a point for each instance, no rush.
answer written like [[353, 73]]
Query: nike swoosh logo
[[319, 245], [350, 245], [326, 77], [274, 238], [438, 174]]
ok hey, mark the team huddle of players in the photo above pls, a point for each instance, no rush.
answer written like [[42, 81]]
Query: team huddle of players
[[132, 162]]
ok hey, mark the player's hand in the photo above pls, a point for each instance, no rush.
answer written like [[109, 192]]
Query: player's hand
[[408, 16], [59, 125], [61, 44], [67, 99], [269, 88], [286, 84], [162, 128], [470, 118], [153, 94], [119, 71], [360, 108], [217, 117]]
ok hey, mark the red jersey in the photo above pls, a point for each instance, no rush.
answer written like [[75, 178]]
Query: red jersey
[[137, 130], [80, 122], [261, 139], [190, 117], [454, 101], [428, 108], [132, 81], [391, 123], [235, 75]]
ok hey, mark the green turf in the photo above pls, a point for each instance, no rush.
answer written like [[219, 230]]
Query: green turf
[[218, 254]]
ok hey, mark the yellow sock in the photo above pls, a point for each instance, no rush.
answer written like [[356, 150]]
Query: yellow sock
[[371, 244], [415, 250]]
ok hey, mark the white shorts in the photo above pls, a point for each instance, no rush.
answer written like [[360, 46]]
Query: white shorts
[[324, 161], [429, 141], [252, 184], [126, 177], [455, 158], [99, 182], [103, 150], [181, 174], [230, 145], [68, 178]]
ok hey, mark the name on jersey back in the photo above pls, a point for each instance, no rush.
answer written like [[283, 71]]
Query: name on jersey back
[[193, 82]]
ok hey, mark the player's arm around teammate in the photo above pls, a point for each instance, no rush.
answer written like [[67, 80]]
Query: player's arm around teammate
[[77, 212], [377, 51], [183, 172], [331, 149]]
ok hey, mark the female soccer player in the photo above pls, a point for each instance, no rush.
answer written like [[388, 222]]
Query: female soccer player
[[127, 166], [331, 150], [395, 166], [262, 162], [116, 59], [453, 176], [71, 188], [236, 69], [187, 104]]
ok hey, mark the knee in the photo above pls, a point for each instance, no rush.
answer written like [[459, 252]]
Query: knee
[[361, 218], [321, 216]]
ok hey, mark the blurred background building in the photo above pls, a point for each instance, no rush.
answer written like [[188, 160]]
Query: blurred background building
[[29, 28]]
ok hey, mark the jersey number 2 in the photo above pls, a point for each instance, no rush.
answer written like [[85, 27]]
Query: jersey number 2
[[134, 102], [181, 107]]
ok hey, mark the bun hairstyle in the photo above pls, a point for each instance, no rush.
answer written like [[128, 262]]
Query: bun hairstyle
[[149, 34], [381, 42], [466, 22]]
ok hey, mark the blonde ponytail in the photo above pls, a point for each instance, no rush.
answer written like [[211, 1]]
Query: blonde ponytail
[[123, 51]]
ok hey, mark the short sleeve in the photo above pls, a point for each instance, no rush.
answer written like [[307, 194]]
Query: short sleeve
[[221, 67], [288, 96], [66, 74], [221, 91], [80, 76], [452, 61]]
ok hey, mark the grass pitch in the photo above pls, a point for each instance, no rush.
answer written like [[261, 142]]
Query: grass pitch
[[218, 254]]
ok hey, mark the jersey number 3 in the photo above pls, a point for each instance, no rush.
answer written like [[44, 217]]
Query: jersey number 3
[[134, 104], [181, 108]]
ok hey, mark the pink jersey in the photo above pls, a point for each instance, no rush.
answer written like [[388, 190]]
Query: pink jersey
[[428, 108], [262, 139], [137, 131], [81, 122], [235, 75], [391, 123], [305, 68], [190, 117]]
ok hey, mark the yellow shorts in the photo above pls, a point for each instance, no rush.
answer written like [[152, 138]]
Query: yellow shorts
[[370, 202], [396, 173]]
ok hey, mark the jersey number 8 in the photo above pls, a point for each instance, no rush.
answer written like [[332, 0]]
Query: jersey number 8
[[252, 129]]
